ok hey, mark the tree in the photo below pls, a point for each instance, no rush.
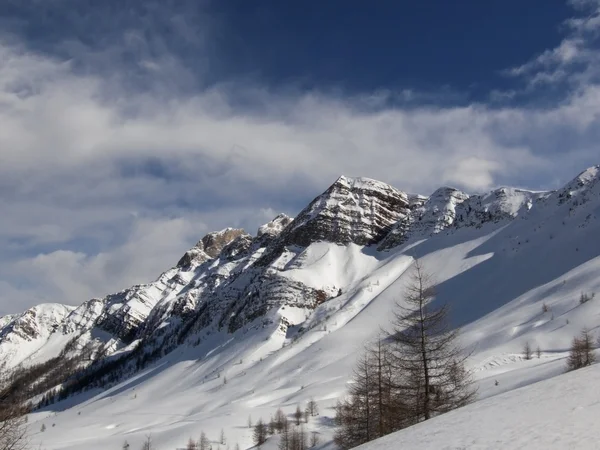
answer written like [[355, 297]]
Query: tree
[[538, 352], [13, 430], [249, 421], [280, 420], [314, 439], [284, 440], [582, 351], [272, 426], [222, 437], [297, 439], [428, 362], [203, 443], [312, 407], [191, 445], [354, 414], [147, 445], [43, 428], [527, 351], [298, 415], [260, 433]]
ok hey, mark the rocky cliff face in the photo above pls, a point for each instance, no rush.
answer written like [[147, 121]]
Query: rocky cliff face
[[230, 279], [209, 246], [353, 210]]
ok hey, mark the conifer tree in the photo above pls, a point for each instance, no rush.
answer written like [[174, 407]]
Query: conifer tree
[[582, 351], [260, 433], [426, 357]]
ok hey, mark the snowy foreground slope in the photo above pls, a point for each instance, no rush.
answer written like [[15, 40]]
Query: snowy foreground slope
[[247, 324], [560, 413]]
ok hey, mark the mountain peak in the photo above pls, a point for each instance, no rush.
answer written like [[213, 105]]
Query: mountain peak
[[357, 210]]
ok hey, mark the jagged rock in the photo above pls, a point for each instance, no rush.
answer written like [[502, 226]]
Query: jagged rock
[[209, 246], [352, 210], [275, 226]]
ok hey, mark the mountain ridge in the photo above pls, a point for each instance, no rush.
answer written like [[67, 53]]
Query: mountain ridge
[[278, 305], [355, 210]]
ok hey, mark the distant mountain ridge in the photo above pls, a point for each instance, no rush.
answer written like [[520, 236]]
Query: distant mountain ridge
[[232, 280]]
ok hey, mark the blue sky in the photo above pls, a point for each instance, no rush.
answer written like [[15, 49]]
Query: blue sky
[[130, 128]]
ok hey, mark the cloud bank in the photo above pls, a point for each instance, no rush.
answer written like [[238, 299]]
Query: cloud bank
[[115, 158]]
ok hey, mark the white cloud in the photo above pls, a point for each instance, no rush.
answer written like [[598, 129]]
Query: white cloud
[[106, 186], [576, 59]]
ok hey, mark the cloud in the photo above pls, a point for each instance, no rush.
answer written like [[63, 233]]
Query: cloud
[[110, 171], [576, 59]]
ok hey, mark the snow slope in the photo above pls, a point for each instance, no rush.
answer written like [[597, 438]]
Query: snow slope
[[558, 413], [497, 259]]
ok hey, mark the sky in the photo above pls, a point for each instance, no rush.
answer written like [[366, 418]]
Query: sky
[[130, 128]]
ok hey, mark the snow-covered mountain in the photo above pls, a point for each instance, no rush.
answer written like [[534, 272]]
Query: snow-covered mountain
[[281, 316]]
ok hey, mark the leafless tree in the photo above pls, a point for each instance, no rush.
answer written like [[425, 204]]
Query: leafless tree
[[298, 415], [312, 407], [260, 433], [314, 439], [284, 440], [13, 422], [527, 352], [427, 360], [203, 442], [147, 445], [191, 445], [222, 438], [280, 420], [538, 352], [582, 351]]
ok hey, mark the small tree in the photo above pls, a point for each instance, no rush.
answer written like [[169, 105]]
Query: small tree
[[538, 352], [545, 308], [297, 439], [147, 445], [527, 351], [191, 445], [203, 443], [284, 440], [249, 421], [260, 433], [222, 438], [312, 407], [280, 420], [582, 351], [427, 359], [314, 439], [298, 415], [43, 428], [13, 430]]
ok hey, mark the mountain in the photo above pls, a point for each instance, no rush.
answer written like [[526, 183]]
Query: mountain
[[249, 323]]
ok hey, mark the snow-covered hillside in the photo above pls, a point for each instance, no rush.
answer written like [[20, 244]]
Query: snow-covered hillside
[[246, 324], [554, 414]]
